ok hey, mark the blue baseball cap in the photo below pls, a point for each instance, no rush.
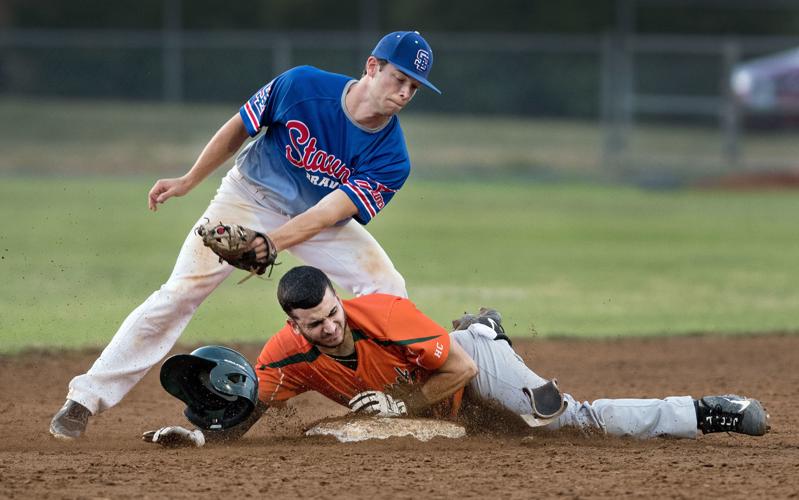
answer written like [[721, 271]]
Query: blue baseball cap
[[409, 52]]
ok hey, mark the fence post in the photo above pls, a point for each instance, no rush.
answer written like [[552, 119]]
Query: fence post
[[618, 87], [609, 105], [617, 96], [368, 32], [281, 55], [172, 52], [730, 110]]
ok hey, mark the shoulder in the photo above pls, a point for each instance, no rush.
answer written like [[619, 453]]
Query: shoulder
[[379, 314], [315, 78], [389, 147], [308, 71], [375, 304], [283, 345], [370, 313], [393, 136]]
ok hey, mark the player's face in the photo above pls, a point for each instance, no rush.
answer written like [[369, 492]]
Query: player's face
[[392, 89], [323, 325]]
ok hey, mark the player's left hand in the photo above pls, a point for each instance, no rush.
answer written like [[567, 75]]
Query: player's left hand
[[261, 248], [378, 404], [175, 436]]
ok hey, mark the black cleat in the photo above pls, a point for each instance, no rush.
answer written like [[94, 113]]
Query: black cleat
[[731, 413], [70, 421]]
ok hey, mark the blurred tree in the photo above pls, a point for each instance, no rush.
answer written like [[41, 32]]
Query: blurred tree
[[515, 16], [519, 16], [740, 17], [87, 14], [288, 15]]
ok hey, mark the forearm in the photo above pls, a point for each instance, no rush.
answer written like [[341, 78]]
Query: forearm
[[457, 371], [437, 388], [301, 228], [333, 208], [222, 146]]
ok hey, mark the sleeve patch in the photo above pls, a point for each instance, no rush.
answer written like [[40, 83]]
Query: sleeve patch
[[252, 112]]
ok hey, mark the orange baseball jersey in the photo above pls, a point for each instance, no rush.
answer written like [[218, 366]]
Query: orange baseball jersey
[[396, 344]]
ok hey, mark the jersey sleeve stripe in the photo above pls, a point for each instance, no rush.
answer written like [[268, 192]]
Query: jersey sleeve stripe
[[251, 114], [406, 342], [301, 357], [361, 196], [374, 192]]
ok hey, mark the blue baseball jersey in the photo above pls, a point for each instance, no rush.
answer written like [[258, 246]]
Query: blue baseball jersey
[[312, 146]]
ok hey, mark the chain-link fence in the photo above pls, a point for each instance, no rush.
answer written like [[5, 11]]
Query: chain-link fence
[[662, 103]]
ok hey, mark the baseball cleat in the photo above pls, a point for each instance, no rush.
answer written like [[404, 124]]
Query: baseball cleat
[[70, 421], [731, 413]]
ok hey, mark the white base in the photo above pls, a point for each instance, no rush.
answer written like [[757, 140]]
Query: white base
[[348, 431]]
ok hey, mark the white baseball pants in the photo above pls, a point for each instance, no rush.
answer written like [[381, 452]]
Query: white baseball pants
[[348, 254], [502, 376]]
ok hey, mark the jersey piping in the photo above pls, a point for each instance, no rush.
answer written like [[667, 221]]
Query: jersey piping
[[357, 335]]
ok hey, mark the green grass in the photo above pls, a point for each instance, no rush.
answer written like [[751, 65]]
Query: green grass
[[78, 254], [116, 137], [81, 250]]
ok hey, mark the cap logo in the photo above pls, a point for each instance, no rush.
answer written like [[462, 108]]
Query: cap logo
[[422, 61]]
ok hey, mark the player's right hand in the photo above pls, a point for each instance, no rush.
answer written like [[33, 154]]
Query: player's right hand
[[163, 189], [378, 404], [175, 436]]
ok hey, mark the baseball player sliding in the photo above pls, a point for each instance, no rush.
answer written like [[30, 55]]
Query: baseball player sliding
[[332, 156], [378, 354]]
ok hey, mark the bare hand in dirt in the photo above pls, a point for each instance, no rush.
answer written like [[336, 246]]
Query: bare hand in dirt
[[164, 189]]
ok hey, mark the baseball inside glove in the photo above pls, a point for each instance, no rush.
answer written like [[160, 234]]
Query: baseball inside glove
[[231, 242]]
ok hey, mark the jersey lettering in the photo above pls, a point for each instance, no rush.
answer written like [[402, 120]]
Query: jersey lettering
[[321, 181], [260, 98], [422, 60], [376, 192], [302, 153]]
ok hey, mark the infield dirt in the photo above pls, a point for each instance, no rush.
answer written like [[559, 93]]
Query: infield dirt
[[276, 461]]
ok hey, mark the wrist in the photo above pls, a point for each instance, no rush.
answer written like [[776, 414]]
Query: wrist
[[189, 180]]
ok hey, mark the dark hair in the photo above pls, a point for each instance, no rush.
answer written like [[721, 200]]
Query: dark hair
[[303, 287]]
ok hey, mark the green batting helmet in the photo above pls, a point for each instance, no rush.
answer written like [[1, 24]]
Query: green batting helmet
[[217, 384]]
